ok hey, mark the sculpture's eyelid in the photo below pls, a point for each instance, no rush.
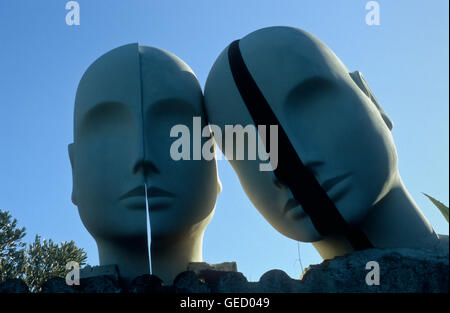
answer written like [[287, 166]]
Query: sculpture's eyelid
[[179, 105], [313, 87], [103, 113]]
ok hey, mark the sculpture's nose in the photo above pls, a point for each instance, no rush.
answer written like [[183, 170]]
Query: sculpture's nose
[[143, 165]]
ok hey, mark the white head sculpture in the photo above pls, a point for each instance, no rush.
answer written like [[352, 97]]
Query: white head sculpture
[[337, 183], [126, 104]]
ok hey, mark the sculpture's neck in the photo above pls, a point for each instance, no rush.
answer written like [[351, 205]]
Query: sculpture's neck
[[171, 256], [393, 222], [130, 256]]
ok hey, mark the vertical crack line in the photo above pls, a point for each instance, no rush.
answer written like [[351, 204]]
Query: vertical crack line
[[147, 213], [149, 231], [142, 107]]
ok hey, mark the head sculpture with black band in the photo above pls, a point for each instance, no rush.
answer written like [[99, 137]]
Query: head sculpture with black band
[[337, 182]]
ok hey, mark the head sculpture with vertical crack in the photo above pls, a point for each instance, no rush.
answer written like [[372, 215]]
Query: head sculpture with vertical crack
[[127, 101]]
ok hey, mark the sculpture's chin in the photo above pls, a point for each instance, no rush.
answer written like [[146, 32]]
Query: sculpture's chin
[[298, 228]]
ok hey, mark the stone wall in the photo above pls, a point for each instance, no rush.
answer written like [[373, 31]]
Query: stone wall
[[401, 270]]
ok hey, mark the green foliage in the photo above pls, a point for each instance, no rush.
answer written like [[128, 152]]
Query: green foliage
[[35, 264], [46, 259], [439, 205], [12, 250]]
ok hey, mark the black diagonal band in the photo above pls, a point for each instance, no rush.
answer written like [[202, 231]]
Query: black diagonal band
[[291, 171]]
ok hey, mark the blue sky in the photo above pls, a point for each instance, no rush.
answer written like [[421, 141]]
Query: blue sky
[[404, 60]]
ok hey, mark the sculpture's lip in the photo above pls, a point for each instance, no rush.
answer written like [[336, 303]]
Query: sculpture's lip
[[152, 192], [156, 192], [136, 202], [327, 185], [136, 192], [331, 182]]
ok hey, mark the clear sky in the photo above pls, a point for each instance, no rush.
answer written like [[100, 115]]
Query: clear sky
[[404, 60]]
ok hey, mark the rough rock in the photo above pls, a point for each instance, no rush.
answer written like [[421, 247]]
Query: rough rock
[[189, 282], [234, 282], [276, 281], [401, 271], [148, 284], [104, 270], [57, 285], [99, 284], [198, 267], [212, 273], [14, 286]]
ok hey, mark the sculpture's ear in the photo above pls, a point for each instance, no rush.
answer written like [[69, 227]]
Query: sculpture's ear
[[71, 148], [362, 84]]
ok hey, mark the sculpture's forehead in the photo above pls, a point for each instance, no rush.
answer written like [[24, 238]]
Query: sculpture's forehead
[[281, 58], [114, 77], [164, 76], [137, 77]]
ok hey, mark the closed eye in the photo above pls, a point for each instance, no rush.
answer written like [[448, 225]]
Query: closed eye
[[107, 116], [310, 88]]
